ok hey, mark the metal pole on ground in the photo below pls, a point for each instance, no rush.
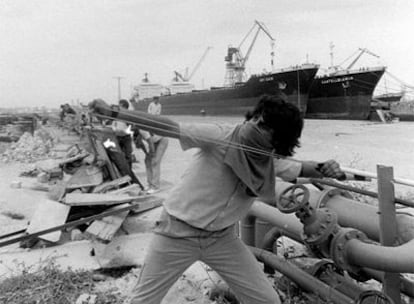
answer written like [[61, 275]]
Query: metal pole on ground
[[388, 226]]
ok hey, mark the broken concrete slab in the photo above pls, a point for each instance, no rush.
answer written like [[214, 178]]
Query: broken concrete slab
[[48, 214], [126, 250]]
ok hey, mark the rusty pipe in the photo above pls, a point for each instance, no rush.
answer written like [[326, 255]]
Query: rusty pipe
[[269, 244], [301, 277], [269, 239]]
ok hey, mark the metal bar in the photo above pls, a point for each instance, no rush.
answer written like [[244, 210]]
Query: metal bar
[[300, 277], [72, 224], [402, 181], [5, 236], [388, 227], [357, 190]]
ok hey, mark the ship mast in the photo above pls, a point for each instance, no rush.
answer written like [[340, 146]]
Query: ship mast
[[331, 47]]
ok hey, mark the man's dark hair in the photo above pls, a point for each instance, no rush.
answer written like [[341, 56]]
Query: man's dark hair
[[124, 103], [283, 118]]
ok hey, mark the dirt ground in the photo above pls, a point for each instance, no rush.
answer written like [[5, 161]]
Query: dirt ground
[[358, 144]]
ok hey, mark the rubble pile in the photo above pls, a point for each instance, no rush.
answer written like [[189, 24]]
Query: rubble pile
[[30, 148], [403, 107]]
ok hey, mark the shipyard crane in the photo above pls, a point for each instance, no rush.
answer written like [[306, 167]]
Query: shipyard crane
[[361, 52], [186, 78], [236, 62]]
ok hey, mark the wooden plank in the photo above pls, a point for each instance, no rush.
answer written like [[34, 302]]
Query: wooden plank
[[48, 214], [133, 190], [90, 199], [388, 227], [79, 156], [106, 186], [150, 202], [104, 229], [85, 176]]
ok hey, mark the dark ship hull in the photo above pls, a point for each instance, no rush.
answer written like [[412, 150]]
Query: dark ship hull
[[237, 100], [343, 95]]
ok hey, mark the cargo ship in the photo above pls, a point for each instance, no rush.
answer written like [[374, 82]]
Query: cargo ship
[[344, 93], [293, 82], [239, 95]]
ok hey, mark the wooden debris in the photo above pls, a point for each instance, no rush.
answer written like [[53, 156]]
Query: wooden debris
[[72, 159], [104, 229], [150, 202], [85, 176], [106, 186], [93, 199], [133, 190]]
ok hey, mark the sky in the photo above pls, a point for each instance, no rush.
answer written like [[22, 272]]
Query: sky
[[58, 51]]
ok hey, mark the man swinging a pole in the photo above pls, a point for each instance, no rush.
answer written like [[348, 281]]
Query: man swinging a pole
[[234, 165]]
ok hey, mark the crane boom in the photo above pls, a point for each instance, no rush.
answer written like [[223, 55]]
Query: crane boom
[[361, 52], [199, 63]]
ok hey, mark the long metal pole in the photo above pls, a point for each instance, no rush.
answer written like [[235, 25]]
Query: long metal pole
[[388, 226], [302, 278], [402, 181]]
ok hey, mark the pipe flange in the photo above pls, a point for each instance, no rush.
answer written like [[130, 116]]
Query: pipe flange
[[338, 248], [326, 195], [317, 229], [373, 296]]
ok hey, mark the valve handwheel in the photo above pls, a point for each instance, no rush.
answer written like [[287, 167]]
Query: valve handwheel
[[293, 198]]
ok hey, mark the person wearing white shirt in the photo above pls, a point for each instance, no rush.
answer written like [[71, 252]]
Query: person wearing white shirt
[[155, 107]]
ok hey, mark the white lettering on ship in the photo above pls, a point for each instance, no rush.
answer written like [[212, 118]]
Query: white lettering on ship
[[270, 78], [335, 80]]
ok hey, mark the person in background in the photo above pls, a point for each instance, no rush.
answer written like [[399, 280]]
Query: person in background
[[123, 134], [157, 145], [155, 106], [65, 110], [234, 165]]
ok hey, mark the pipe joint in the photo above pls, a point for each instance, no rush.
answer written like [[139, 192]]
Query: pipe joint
[[319, 226], [339, 254]]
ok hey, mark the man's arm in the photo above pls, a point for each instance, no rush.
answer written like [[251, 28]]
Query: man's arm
[[156, 124], [329, 168]]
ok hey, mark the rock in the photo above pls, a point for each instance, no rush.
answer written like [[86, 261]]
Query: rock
[[86, 298], [16, 185]]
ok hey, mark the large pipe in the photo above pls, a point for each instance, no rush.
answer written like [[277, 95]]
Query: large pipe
[[300, 277], [247, 230], [288, 224], [357, 253], [398, 259], [354, 214]]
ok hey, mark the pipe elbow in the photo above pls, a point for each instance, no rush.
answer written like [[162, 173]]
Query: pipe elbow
[[399, 259]]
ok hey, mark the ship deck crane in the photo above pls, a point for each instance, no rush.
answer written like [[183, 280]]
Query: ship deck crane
[[361, 52], [236, 62], [186, 78]]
